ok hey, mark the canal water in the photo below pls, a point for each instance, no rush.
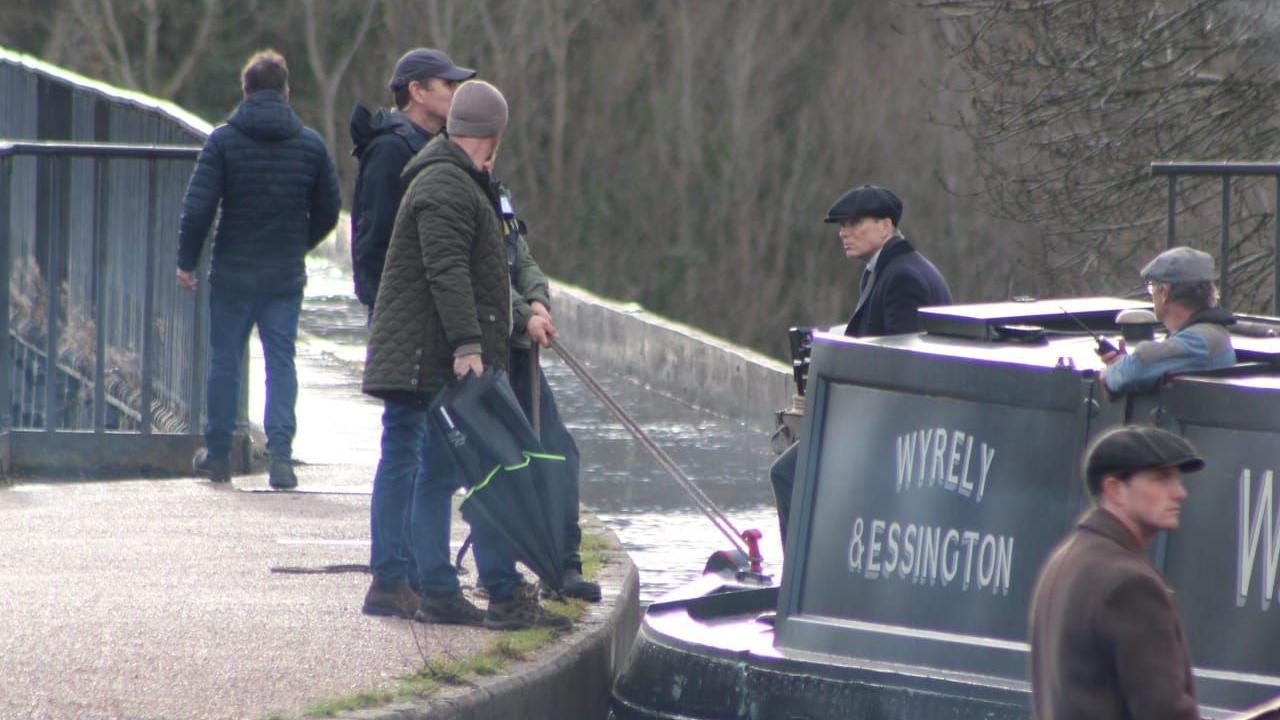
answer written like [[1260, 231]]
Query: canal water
[[661, 528]]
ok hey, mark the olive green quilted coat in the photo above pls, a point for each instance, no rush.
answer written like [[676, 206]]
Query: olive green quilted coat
[[445, 283]]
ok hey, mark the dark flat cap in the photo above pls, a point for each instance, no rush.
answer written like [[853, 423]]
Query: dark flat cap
[[1180, 265], [1126, 450], [422, 63], [866, 201]]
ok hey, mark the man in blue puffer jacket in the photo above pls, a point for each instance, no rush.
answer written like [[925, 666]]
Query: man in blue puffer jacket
[[279, 195]]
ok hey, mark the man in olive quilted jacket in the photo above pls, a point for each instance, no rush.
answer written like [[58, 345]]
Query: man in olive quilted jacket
[[443, 311], [278, 191]]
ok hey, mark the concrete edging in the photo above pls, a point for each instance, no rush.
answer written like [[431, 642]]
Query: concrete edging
[[674, 359], [570, 681]]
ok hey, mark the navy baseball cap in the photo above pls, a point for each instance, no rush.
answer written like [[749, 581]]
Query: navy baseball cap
[[422, 63]]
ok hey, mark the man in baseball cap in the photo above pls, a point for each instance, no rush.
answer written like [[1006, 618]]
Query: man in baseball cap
[[1180, 282], [422, 86], [1106, 641]]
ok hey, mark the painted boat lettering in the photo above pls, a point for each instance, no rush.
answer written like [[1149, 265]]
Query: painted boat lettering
[[1259, 528], [931, 555], [946, 459]]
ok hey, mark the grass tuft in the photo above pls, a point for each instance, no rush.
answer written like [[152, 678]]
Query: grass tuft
[[332, 707], [520, 644]]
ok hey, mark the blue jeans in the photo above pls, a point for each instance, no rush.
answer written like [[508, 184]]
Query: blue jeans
[[232, 315], [416, 477]]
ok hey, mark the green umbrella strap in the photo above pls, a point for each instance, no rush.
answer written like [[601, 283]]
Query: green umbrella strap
[[528, 457]]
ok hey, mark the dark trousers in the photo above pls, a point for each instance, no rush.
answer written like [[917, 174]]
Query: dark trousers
[[232, 315], [555, 439], [783, 476]]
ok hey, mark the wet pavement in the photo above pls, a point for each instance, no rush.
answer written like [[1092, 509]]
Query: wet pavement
[[178, 598], [181, 598], [666, 535]]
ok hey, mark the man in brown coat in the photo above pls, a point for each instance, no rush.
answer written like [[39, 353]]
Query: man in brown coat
[[1106, 641]]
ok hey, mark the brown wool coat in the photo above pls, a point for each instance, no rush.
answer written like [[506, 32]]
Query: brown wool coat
[[1106, 641]]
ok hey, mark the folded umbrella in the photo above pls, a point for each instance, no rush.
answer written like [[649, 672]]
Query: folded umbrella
[[515, 488]]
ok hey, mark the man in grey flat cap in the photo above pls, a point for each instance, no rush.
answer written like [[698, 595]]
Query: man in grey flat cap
[[1180, 282], [444, 311], [1106, 641]]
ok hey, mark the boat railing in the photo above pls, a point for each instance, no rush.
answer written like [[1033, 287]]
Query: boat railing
[[1226, 171]]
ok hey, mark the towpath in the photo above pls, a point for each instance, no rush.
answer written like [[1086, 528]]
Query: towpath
[[182, 599]]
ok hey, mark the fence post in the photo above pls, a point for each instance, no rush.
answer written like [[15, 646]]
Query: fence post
[[100, 279], [199, 348], [1225, 261], [148, 293], [56, 221], [1173, 210], [6, 270]]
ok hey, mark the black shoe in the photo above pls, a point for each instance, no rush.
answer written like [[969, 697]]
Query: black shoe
[[216, 469], [521, 612], [576, 586], [281, 475], [454, 609]]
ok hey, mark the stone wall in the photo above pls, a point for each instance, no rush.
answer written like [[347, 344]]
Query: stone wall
[[671, 358]]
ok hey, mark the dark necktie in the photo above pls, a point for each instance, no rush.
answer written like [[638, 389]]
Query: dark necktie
[[866, 280]]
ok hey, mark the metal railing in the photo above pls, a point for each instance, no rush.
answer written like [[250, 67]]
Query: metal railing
[[95, 335], [1226, 171]]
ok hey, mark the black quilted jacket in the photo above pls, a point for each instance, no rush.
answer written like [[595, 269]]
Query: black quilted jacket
[[279, 195], [445, 283]]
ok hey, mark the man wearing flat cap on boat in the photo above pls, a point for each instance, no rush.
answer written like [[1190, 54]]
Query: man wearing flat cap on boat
[[897, 280], [895, 283], [1185, 301]]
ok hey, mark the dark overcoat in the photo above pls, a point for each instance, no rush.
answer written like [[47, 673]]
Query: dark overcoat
[[903, 282], [1106, 642]]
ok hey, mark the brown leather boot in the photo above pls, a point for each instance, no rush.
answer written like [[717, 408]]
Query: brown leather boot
[[453, 609], [522, 611], [399, 601]]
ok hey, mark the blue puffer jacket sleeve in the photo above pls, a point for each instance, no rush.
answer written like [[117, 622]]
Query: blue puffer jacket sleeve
[[200, 205]]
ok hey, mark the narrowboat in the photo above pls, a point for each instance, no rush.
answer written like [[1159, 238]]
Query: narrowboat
[[936, 472]]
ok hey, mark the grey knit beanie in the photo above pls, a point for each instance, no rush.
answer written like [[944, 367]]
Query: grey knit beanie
[[478, 111]]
